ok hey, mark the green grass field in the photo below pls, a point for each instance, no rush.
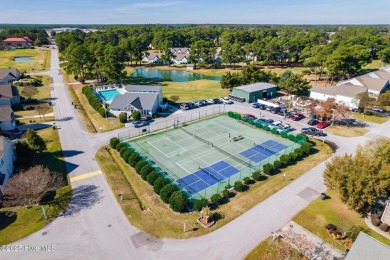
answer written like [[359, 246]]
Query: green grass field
[[346, 131], [319, 213], [41, 59], [371, 119], [194, 90]]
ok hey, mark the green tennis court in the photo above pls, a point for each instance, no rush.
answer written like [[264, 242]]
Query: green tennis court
[[204, 157]]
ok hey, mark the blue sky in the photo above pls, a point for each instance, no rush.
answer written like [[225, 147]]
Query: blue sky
[[196, 11]]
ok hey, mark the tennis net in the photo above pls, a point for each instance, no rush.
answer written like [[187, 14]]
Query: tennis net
[[231, 155], [266, 148], [212, 174], [196, 136]]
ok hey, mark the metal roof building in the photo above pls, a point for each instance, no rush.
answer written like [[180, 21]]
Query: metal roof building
[[366, 247], [253, 92]]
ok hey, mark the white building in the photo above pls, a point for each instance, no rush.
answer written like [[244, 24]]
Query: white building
[[152, 58], [374, 83], [7, 159]]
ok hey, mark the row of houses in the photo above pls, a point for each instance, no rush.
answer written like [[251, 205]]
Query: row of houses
[[181, 56], [9, 95], [373, 83]]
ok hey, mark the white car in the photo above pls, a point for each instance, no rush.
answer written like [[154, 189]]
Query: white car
[[275, 124], [285, 127], [226, 100], [210, 101]]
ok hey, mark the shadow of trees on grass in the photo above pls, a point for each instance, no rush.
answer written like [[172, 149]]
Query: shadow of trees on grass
[[7, 218]]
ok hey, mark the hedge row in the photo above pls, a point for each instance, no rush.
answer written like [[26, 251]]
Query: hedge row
[[168, 192], [94, 101]]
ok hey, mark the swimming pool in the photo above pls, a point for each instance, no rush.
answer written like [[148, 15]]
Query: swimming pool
[[108, 95]]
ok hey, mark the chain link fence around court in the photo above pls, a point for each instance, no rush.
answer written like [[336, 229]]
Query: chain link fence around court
[[245, 166], [161, 124]]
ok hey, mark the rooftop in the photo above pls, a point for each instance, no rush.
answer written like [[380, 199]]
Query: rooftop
[[366, 247], [346, 90], [6, 91], [5, 72], [5, 113], [15, 40], [137, 100], [256, 87]]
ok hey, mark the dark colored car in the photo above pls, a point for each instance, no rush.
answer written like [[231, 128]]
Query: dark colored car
[[256, 105], [216, 100], [269, 121], [313, 122], [138, 124], [275, 110], [312, 131], [323, 124], [296, 117]]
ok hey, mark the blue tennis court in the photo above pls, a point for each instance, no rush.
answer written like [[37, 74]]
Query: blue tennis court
[[263, 151], [207, 177]]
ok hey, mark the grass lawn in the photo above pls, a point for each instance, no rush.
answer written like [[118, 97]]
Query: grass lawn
[[267, 250], [30, 220], [280, 70], [194, 90], [319, 213], [35, 120], [146, 211], [41, 59], [346, 131], [375, 64], [43, 91], [97, 122], [371, 119]]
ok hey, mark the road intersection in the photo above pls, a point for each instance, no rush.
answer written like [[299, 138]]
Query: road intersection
[[94, 226]]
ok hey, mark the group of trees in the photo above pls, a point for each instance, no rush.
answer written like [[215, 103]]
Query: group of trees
[[361, 178], [102, 54], [288, 81], [329, 109], [168, 192], [37, 35], [368, 102]]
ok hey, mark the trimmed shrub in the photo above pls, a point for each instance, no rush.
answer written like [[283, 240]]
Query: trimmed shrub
[[291, 137], [119, 146], [136, 115], [159, 184], [123, 150], [299, 152], [284, 159], [126, 154], [301, 137], [138, 166], [123, 117], [199, 204], [284, 134], [256, 175], [133, 159], [266, 128], [306, 147], [230, 114], [246, 180], [384, 227], [216, 199], [238, 186], [251, 121], [294, 156], [226, 193], [375, 220], [145, 171], [178, 202], [113, 142], [258, 125], [152, 177], [166, 192], [274, 131], [277, 164], [267, 168]]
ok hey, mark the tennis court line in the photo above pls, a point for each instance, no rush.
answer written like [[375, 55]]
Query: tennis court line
[[182, 167], [85, 176]]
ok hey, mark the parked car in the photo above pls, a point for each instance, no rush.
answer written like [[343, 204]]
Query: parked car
[[378, 109], [256, 105], [210, 101], [226, 100], [204, 102], [239, 99], [269, 121], [216, 100], [138, 124], [275, 110], [312, 131], [323, 125], [260, 120], [275, 124], [184, 106], [198, 103], [296, 117], [286, 127], [313, 122], [251, 115]]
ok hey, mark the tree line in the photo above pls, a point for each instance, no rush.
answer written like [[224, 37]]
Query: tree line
[[340, 55]]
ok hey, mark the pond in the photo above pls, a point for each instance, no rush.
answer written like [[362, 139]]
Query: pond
[[170, 75], [23, 59]]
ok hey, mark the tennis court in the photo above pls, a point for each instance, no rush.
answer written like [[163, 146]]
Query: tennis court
[[204, 157]]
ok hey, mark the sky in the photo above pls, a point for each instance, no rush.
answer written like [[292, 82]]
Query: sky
[[195, 11]]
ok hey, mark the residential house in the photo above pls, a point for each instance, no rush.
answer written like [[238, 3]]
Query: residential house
[[181, 50], [366, 247], [7, 159], [9, 95], [151, 58], [146, 99], [345, 91], [7, 119], [24, 42], [180, 58], [9, 75]]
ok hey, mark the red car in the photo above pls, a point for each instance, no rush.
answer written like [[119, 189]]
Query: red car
[[322, 125], [251, 115], [296, 117]]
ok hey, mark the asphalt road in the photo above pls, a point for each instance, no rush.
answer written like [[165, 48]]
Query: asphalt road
[[94, 227]]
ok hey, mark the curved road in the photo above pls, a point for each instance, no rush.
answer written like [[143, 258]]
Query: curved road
[[94, 227]]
